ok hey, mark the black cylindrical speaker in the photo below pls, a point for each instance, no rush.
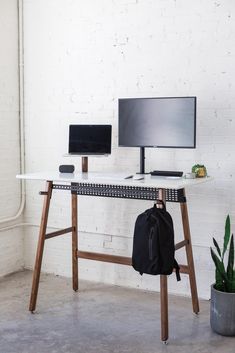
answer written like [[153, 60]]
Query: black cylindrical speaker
[[66, 168]]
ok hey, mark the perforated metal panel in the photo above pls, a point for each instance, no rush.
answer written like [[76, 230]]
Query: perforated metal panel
[[120, 191]]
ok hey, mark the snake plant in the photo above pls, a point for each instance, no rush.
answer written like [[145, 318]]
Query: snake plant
[[224, 276]]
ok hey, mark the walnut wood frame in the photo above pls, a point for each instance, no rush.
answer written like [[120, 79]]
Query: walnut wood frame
[[76, 253]]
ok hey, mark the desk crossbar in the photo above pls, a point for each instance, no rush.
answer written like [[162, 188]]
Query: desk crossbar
[[121, 191]]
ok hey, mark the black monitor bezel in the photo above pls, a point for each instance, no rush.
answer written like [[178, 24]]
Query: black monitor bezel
[[155, 146]]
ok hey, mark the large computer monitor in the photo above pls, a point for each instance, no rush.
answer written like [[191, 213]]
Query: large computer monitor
[[164, 122], [90, 139]]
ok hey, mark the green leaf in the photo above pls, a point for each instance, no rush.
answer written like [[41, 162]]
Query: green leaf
[[231, 284], [230, 271], [217, 246], [219, 283], [219, 266], [226, 235]]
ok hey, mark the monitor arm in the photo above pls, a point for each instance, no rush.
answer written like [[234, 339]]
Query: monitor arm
[[142, 160]]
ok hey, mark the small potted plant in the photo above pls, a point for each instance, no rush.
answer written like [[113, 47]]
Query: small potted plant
[[199, 170], [222, 313]]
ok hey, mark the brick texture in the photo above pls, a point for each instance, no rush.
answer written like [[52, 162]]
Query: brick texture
[[80, 57], [11, 242]]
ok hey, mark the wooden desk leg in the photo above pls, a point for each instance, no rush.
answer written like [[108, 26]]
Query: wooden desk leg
[[164, 307], [163, 288], [74, 242], [40, 247], [189, 254]]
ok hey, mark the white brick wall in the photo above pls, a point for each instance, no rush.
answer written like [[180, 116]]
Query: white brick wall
[[11, 250], [11, 241], [9, 109], [80, 57]]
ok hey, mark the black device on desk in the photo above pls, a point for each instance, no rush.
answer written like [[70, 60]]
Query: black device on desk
[[169, 173], [66, 168]]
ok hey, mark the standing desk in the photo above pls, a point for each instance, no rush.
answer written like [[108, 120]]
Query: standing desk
[[115, 186]]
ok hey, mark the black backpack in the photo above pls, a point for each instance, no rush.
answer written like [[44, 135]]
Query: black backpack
[[153, 244]]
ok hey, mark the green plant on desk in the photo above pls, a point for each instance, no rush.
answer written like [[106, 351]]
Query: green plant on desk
[[224, 278], [199, 170]]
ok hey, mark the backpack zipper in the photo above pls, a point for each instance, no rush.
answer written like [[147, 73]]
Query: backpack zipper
[[151, 243]]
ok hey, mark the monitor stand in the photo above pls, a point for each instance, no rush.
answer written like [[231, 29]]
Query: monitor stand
[[142, 161]]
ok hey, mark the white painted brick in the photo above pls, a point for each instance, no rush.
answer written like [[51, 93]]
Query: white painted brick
[[11, 241], [9, 110], [11, 251], [80, 57]]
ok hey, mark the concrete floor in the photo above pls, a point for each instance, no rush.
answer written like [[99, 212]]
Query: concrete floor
[[100, 319]]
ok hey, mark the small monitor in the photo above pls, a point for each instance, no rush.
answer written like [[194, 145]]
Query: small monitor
[[90, 139], [168, 122]]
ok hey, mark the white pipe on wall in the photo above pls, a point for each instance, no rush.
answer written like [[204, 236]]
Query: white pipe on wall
[[21, 111]]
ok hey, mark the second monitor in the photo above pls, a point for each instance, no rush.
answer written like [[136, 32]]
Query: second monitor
[[163, 122]]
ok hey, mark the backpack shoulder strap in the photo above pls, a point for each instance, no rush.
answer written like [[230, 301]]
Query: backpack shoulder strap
[[177, 270]]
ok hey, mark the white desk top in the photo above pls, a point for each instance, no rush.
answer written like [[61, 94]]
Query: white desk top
[[114, 179]]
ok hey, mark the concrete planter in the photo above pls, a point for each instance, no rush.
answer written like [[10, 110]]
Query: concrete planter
[[222, 314]]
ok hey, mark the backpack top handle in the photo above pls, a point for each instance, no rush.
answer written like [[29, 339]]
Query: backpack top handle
[[159, 202]]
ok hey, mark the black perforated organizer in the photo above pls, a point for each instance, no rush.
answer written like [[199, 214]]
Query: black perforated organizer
[[122, 191]]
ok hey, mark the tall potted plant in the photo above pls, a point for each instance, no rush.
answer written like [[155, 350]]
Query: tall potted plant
[[222, 313]]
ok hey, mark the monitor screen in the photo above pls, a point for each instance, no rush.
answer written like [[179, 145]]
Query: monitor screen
[[158, 122], [90, 139]]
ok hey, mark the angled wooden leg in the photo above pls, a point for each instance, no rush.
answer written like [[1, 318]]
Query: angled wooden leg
[[40, 247], [164, 308], [163, 288], [74, 242], [189, 254]]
